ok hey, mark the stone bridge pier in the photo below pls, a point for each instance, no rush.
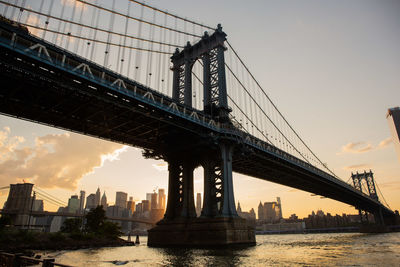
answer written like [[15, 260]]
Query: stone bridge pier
[[218, 223]]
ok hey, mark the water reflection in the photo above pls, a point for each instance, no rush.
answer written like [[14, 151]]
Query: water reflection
[[271, 250]]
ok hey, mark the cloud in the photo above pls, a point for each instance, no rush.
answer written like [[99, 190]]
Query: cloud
[[55, 160], [161, 166], [363, 147], [357, 167], [357, 147], [385, 143]]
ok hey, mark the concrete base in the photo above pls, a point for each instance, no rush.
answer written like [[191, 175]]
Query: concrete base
[[201, 232]]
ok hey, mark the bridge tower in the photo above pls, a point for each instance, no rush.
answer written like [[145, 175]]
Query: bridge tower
[[368, 177], [219, 223]]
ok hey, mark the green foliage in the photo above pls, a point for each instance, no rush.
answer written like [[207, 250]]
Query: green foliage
[[71, 225], [110, 229], [95, 219], [96, 223]]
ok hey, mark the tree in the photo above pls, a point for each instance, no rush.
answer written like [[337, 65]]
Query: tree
[[96, 223], [71, 225], [95, 219]]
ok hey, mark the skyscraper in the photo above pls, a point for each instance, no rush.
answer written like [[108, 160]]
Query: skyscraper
[[73, 204], [393, 117], [91, 201], [131, 205], [261, 211], [97, 199], [153, 203], [120, 199], [278, 199], [103, 201], [161, 198], [81, 201], [198, 204]]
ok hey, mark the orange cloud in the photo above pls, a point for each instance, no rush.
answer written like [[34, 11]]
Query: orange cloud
[[358, 147], [385, 143], [56, 160]]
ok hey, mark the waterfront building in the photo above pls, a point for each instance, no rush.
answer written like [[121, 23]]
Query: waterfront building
[[97, 199], [261, 211], [114, 211], [161, 198], [91, 202], [249, 216], [121, 199], [73, 204], [145, 205], [139, 209], [278, 200], [153, 202], [393, 117], [270, 211], [81, 201], [131, 205], [103, 201], [198, 204]]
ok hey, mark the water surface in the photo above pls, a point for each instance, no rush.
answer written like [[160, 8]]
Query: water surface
[[347, 249]]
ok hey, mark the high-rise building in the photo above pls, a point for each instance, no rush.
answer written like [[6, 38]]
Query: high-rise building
[[148, 197], [139, 208], [91, 202], [103, 201], [278, 200], [261, 211], [131, 205], [97, 199], [393, 117], [81, 201], [73, 204], [145, 205], [153, 202], [120, 199], [271, 211], [198, 204], [161, 199]]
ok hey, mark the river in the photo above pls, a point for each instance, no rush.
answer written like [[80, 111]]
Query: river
[[343, 249]]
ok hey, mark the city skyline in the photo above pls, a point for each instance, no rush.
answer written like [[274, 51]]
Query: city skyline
[[325, 87]]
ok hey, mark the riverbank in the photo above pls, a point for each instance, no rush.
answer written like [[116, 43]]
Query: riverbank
[[21, 240]]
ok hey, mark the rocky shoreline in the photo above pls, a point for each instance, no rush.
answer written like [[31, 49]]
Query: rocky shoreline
[[28, 241]]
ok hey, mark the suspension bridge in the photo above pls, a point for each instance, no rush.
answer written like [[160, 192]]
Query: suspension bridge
[[131, 73]]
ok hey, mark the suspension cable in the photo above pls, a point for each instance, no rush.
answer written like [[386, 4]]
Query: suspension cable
[[137, 19], [172, 15], [87, 26], [98, 41], [265, 94]]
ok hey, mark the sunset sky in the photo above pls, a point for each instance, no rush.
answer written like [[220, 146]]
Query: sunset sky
[[332, 68]]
